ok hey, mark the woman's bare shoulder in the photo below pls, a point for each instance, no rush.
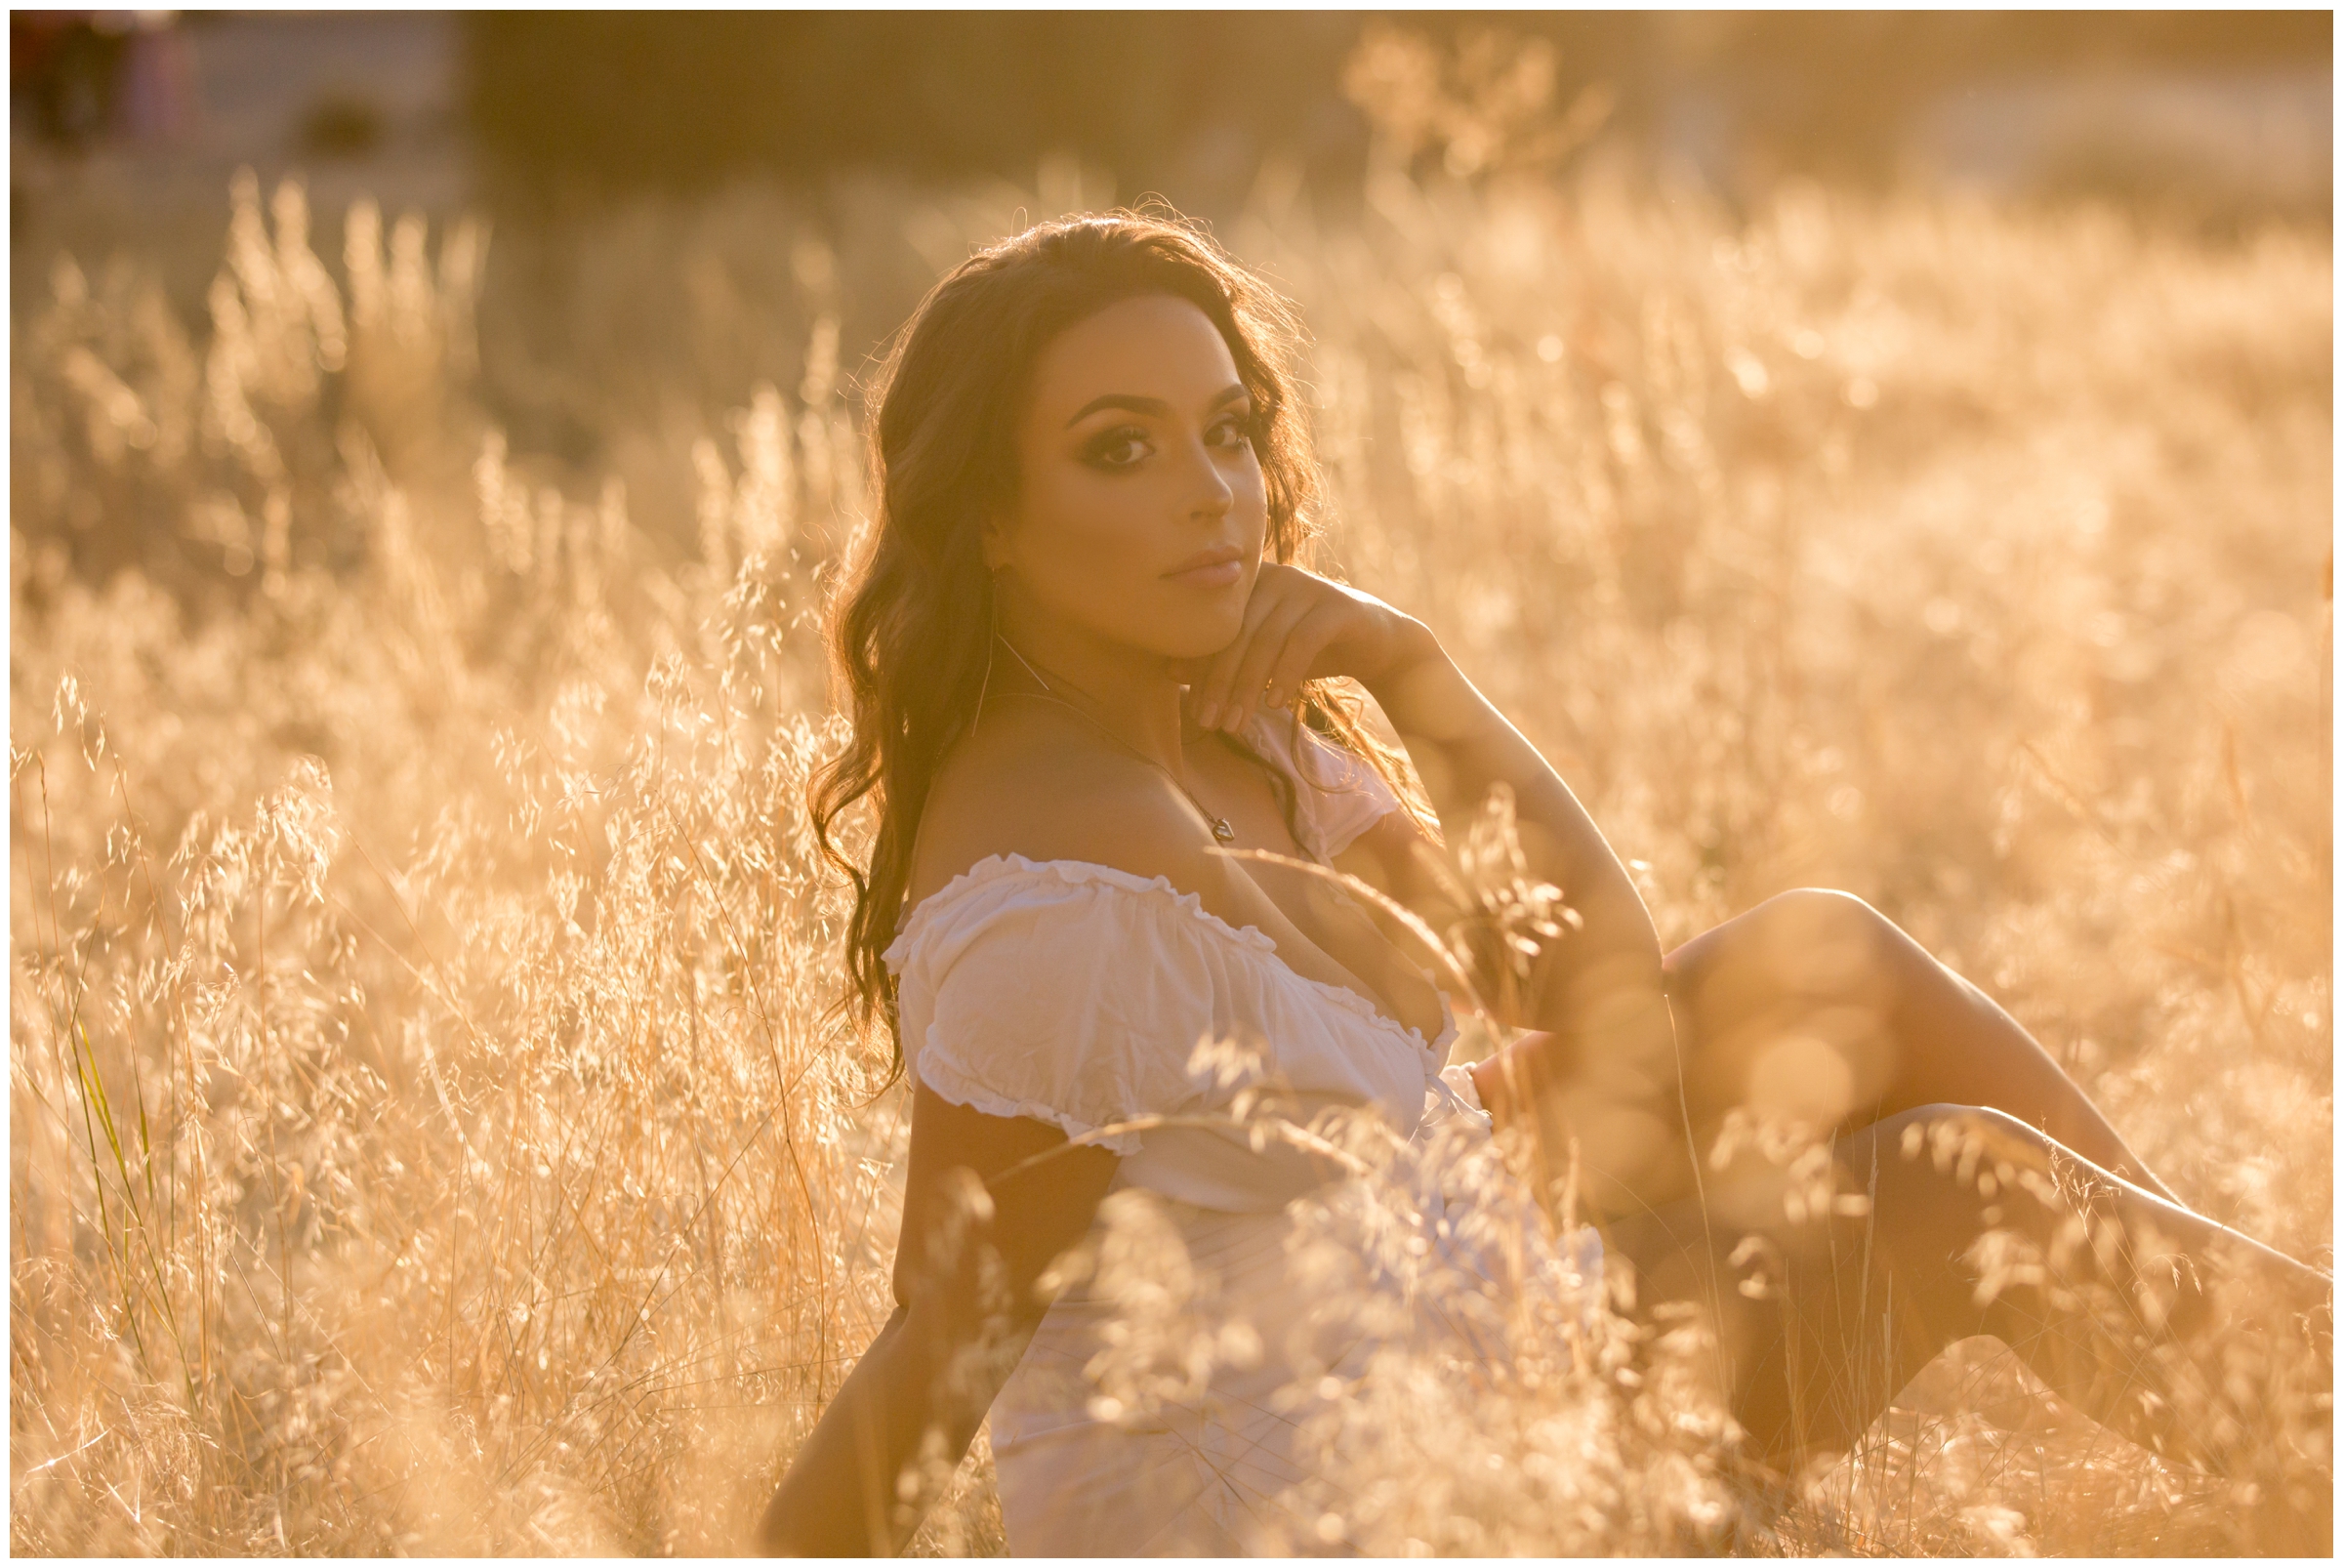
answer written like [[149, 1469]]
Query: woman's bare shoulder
[[1038, 787]]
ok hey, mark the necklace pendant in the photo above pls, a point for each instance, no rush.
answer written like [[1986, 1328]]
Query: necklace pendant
[[1222, 830]]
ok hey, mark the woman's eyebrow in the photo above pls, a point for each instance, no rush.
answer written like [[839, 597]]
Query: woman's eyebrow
[[1150, 406]]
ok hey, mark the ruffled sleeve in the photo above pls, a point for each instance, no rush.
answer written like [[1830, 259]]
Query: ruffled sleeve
[[1338, 795], [1079, 995], [1047, 990]]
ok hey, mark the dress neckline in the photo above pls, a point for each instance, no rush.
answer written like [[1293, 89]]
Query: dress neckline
[[1248, 937]]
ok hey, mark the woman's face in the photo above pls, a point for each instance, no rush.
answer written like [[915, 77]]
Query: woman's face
[[1140, 508]]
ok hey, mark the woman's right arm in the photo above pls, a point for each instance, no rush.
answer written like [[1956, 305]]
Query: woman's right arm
[[978, 1234]]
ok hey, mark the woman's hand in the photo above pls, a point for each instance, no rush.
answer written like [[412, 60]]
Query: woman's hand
[[1299, 627]]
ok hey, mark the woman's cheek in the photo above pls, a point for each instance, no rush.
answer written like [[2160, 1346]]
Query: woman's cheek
[[1094, 564]]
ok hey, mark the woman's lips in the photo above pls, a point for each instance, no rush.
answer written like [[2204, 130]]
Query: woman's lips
[[1220, 574]]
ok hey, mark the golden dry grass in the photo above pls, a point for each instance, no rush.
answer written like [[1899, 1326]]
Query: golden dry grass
[[424, 1134]]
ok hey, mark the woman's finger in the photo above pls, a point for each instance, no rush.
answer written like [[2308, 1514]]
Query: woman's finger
[[1261, 655], [1210, 695], [1304, 644]]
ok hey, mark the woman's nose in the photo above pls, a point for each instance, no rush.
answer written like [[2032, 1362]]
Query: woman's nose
[[1213, 494]]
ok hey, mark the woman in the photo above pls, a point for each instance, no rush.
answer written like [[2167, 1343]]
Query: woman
[[1086, 678]]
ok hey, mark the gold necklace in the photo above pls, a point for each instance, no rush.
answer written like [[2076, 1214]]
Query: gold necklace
[[1221, 830]]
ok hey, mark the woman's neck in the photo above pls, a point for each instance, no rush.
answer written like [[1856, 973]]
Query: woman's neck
[[1129, 693]]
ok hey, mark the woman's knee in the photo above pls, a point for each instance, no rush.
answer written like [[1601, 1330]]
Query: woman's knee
[[1788, 1008], [1808, 941], [1826, 942]]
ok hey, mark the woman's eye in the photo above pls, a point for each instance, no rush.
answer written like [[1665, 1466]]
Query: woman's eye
[[1115, 450], [1129, 447]]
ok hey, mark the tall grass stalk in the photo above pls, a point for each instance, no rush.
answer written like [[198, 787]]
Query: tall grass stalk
[[427, 1134]]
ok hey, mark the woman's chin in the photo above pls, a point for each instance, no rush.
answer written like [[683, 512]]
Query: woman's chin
[[1204, 644], [1167, 632]]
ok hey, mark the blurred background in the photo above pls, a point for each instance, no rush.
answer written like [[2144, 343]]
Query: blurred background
[[1885, 451], [128, 124], [888, 134], [2229, 110]]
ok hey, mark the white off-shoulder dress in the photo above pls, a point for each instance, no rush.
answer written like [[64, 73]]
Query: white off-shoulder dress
[[1079, 995]]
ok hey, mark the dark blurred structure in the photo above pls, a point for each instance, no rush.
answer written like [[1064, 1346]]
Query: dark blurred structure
[[74, 76], [529, 108], [62, 73], [160, 99], [573, 102], [580, 99]]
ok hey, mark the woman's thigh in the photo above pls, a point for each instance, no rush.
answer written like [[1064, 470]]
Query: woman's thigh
[[1816, 1008], [1811, 1011]]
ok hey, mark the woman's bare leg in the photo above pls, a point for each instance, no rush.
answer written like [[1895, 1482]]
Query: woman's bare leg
[[2182, 1335], [1816, 1007]]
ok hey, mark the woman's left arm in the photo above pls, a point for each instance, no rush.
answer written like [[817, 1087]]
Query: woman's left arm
[[1597, 989]]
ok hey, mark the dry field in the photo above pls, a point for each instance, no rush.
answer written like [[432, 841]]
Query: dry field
[[424, 1130]]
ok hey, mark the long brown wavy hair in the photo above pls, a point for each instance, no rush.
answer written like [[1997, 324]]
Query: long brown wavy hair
[[910, 626]]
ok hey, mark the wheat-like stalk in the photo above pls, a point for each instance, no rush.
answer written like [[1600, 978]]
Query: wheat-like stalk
[[426, 1135]]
